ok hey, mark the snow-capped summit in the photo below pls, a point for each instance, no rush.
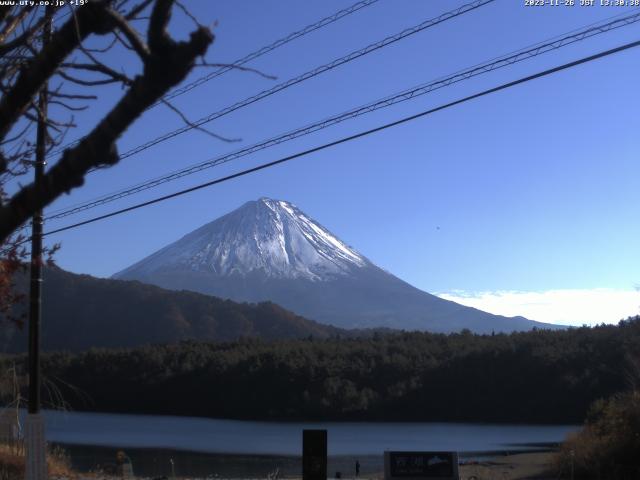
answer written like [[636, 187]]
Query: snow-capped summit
[[266, 236], [269, 250]]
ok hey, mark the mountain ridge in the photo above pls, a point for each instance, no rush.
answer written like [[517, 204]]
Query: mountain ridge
[[276, 237], [80, 312], [270, 250]]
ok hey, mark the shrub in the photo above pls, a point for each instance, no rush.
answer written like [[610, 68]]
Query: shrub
[[12, 463], [608, 445]]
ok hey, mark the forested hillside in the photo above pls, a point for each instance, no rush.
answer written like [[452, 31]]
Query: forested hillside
[[81, 311], [539, 376]]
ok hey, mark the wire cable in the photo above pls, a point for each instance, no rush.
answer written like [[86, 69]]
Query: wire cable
[[310, 74], [278, 43], [249, 57], [494, 64], [365, 133]]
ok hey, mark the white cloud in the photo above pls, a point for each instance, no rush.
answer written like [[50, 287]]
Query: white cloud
[[567, 307]]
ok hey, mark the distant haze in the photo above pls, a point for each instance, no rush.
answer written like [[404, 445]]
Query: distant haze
[[567, 307]]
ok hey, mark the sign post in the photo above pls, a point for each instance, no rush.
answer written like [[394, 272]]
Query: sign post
[[421, 465], [314, 455]]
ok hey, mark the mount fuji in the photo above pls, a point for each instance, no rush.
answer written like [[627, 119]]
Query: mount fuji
[[269, 250]]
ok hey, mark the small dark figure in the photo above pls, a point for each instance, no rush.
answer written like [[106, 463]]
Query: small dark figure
[[357, 468]]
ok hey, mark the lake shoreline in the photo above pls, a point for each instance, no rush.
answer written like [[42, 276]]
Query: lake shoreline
[[517, 466], [154, 463], [273, 438], [195, 447]]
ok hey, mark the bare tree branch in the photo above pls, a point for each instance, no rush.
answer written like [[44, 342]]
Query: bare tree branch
[[72, 96], [157, 36], [186, 120], [105, 48], [22, 39], [237, 67], [5, 12], [186, 11], [87, 83], [12, 23], [17, 135], [134, 39], [168, 63], [100, 68], [90, 18], [135, 11]]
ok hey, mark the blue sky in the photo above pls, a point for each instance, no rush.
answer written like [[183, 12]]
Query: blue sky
[[530, 190]]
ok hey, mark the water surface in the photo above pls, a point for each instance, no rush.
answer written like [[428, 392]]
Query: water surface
[[278, 438]]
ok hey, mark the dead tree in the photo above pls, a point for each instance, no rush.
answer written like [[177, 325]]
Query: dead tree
[[72, 70]]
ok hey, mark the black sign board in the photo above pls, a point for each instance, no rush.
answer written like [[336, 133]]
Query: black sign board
[[314, 455], [405, 465]]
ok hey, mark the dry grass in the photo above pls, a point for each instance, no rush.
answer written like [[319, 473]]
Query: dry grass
[[12, 461]]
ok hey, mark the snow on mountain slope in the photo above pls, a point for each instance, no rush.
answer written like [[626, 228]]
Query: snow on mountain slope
[[272, 237], [269, 250]]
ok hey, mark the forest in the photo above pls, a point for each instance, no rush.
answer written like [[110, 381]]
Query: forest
[[81, 311], [541, 376]]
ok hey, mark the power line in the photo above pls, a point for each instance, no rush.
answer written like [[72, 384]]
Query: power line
[[278, 43], [264, 166], [249, 57], [311, 74], [494, 64]]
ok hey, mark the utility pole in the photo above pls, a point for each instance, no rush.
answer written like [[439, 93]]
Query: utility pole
[[36, 464]]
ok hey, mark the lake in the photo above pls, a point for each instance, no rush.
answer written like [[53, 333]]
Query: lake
[[277, 438], [202, 446]]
